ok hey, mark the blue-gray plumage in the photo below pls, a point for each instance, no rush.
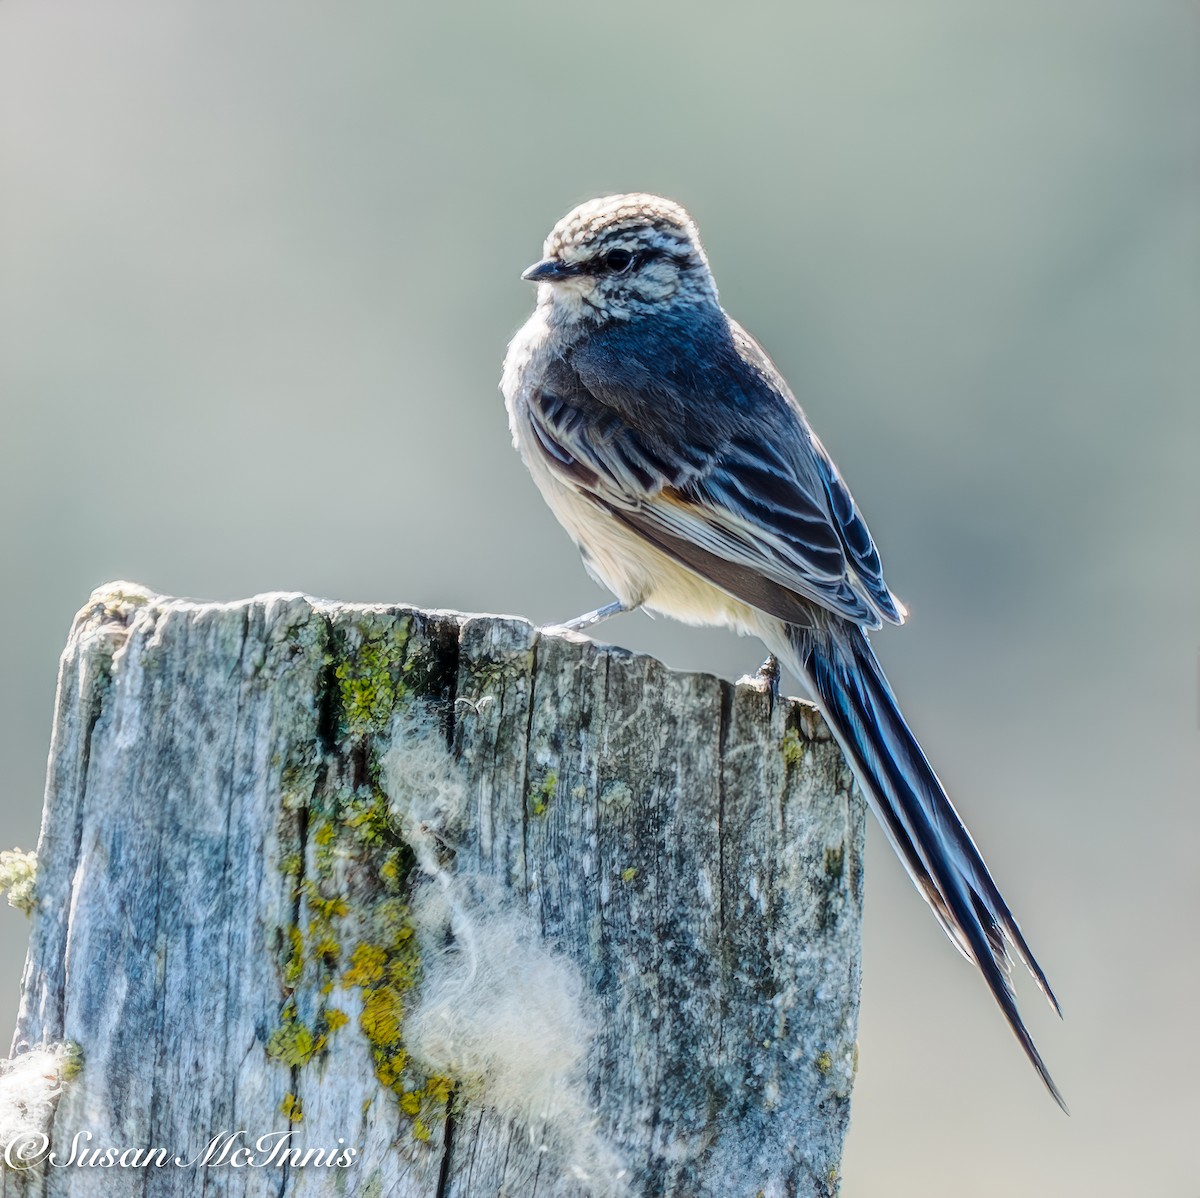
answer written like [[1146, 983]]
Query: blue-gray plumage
[[670, 447]]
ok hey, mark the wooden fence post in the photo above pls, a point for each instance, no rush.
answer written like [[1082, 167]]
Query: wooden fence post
[[371, 900]]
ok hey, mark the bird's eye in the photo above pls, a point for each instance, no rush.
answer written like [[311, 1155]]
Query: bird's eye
[[618, 261]]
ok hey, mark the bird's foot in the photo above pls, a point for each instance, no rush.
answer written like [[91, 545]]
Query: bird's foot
[[589, 619]]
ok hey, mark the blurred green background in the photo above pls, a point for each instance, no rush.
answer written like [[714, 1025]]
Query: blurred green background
[[259, 266]]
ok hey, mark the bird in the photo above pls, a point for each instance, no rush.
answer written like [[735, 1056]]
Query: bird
[[673, 452]]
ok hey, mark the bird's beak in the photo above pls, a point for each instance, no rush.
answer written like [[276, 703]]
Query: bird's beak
[[548, 270]]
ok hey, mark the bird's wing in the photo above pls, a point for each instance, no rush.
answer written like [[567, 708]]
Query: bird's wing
[[861, 554], [727, 478]]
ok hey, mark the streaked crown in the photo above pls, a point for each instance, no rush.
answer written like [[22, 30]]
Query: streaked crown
[[621, 256], [636, 218]]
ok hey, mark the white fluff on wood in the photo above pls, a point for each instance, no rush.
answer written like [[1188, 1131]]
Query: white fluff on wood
[[497, 1009], [30, 1085]]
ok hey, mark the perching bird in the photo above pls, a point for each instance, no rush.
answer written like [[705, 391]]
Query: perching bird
[[671, 449]]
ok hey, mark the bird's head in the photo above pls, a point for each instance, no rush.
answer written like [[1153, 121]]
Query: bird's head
[[622, 256]]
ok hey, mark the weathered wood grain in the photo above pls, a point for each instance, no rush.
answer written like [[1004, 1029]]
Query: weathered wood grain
[[505, 913]]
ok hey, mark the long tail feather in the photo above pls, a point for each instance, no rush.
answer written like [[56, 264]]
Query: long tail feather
[[918, 817]]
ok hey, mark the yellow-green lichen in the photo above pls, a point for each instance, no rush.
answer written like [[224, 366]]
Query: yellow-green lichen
[[294, 965], [540, 796], [368, 815], [369, 676], [384, 972], [310, 960], [792, 748], [293, 1042], [324, 906], [824, 1063], [325, 944], [291, 1108], [18, 875], [350, 870], [382, 1015], [627, 875], [72, 1061], [366, 966], [426, 1103]]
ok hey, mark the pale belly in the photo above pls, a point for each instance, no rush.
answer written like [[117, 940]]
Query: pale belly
[[636, 572]]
